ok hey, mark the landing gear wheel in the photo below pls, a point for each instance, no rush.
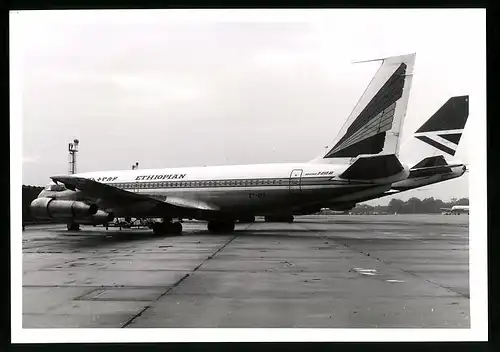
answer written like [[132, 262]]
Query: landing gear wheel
[[73, 227], [163, 228], [158, 228], [220, 226], [247, 219], [277, 218], [176, 227]]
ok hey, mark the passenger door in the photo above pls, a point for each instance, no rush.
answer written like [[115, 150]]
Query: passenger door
[[295, 178]]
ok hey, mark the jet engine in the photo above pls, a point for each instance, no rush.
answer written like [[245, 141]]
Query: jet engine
[[48, 208]]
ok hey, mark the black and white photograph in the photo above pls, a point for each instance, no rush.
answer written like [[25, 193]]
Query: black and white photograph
[[294, 174]]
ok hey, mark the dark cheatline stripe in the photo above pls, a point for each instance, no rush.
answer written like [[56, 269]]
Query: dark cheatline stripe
[[390, 92], [436, 144], [453, 137], [323, 181], [451, 116]]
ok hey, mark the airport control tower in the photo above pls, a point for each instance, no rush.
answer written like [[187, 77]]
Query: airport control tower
[[73, 149]]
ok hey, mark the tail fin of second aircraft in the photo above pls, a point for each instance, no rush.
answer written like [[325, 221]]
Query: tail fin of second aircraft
[[444, 129], [374, 126]]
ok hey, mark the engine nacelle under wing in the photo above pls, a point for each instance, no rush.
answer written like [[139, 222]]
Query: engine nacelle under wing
[[49, 208]]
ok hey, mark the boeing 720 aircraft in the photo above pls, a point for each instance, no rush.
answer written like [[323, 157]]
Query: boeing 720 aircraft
[[363, 162]]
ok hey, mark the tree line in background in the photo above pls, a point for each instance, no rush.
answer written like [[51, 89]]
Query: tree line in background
[[29, 194], [411, 206]]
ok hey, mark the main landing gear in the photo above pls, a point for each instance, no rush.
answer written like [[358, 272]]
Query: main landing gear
[[279, 218], [220, 226], [247, 219], [73, 227], [163, 228]]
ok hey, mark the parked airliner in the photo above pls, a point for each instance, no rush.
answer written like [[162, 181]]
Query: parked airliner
[[362, 163], [456, 210]]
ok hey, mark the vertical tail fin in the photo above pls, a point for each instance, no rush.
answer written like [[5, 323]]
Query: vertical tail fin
[[444, 129], [375, 124]]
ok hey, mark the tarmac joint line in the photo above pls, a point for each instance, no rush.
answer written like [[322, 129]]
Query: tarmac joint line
[[128, 322]]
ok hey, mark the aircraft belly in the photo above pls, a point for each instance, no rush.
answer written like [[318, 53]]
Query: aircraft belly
[[240, 199], [256, 200]]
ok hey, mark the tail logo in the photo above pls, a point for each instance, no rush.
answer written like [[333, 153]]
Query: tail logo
[[444, 129]]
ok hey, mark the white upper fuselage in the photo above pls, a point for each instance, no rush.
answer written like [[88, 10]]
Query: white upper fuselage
[[255, 171], [257, 189]]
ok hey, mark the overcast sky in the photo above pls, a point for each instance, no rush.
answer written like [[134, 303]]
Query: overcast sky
[[177, 88]]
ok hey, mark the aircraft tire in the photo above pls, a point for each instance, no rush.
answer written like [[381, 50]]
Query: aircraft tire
[[158, 228], [220, 226], [73, 227], [247, 219], [175, 227], [288, 219]]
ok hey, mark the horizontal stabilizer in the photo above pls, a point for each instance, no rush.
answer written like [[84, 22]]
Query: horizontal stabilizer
[[373, 167], [437, 160], [430, 166]]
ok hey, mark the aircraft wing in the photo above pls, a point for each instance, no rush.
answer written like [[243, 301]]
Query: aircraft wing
[[445, 209], [112, 197]]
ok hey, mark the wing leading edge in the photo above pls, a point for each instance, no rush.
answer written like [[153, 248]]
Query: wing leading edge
[[116, 197]]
